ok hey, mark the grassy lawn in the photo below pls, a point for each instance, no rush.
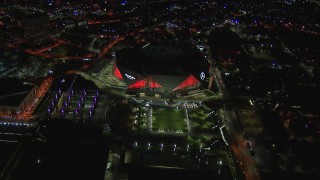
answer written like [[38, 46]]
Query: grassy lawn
[[200, 121], [199, 115], [197, 141], [169, 118]]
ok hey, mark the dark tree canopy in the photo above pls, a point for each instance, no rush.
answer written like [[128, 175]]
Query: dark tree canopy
[[121, 117], [224, 40]]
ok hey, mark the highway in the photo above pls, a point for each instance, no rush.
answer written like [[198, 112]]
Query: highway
[[239, 147]]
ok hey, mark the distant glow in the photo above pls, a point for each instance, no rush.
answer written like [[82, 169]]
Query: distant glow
[[124, 2]]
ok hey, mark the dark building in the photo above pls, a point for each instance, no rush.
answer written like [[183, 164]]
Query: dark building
[[16, 96], [36, 28]]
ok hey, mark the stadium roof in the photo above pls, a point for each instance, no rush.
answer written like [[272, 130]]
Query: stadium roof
[[161, 60], [14, 92]]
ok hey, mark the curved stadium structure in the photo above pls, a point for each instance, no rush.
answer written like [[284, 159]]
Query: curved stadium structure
[[163, 70]]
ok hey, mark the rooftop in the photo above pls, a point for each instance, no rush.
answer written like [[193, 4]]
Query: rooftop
[[14, 91]]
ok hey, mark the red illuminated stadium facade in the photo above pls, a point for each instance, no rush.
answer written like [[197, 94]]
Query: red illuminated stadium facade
[[166, 76]]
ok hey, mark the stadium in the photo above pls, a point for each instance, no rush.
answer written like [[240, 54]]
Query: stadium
[[161, 70]]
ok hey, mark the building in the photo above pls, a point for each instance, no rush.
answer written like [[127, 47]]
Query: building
[[36, 28], [16, 96], [161, 70]]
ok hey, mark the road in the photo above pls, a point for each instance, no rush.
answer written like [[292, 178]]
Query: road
[[106, 49], [239, 146], [243, 155]]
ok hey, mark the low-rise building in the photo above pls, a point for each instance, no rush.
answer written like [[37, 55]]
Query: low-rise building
[[15, 96]]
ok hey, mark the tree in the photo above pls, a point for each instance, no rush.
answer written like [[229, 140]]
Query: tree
[[121, 117]]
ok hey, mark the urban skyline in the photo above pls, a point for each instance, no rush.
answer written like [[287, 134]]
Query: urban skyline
[[159, 89]]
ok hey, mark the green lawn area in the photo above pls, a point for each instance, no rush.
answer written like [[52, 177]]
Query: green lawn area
[[169, 118], [199, 114], [201, 122], [197, 141]]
